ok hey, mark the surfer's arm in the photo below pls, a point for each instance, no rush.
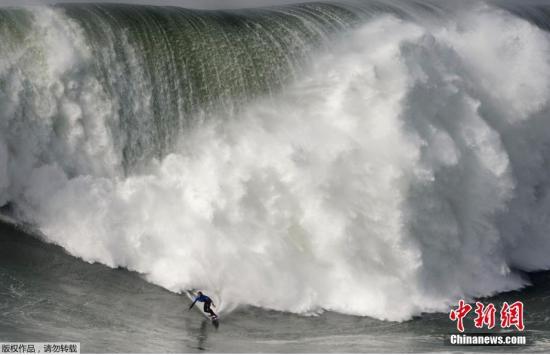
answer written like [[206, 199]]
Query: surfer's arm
[[192, 304]]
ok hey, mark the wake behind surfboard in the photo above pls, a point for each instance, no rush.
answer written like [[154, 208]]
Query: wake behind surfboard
[[192, 295]]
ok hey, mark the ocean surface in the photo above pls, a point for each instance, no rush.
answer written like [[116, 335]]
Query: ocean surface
[[335, 174], [49, 296]]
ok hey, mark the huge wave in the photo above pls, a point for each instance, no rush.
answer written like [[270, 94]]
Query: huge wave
[[381, 160]]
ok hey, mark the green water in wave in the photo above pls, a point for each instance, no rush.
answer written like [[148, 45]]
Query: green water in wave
[[187, 64]]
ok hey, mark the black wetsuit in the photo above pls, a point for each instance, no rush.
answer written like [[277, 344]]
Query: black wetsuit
[[207, 302]]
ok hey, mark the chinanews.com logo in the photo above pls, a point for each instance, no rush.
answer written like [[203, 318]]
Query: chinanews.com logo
[[510, 318]]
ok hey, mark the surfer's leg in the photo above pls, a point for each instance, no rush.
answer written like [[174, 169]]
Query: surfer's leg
[[209, 310]]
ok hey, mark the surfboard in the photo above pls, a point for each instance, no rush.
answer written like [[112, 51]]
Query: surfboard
[[192, 294]]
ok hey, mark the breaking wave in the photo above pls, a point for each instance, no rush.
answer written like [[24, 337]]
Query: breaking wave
[[380, 160]]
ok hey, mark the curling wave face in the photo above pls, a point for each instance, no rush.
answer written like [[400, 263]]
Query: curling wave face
[[383, 167]]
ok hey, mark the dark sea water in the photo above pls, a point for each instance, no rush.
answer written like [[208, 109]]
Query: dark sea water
[[47, 295]]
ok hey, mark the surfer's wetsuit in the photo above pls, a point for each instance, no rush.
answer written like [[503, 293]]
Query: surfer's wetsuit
[[207, 302]]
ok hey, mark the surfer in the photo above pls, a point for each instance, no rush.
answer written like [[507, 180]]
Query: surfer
[[207, 303]]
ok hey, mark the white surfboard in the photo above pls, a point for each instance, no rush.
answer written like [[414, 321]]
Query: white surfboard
[[192, 294]]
